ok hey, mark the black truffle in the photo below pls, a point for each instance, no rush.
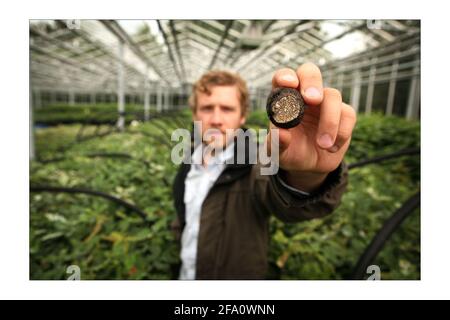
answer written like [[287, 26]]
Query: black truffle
[[285, 107]]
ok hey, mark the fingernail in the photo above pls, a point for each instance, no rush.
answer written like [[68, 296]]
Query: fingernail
[[312, 93], [325, 141], [288, 77]]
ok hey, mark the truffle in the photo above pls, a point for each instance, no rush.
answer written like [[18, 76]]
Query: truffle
[[285, 107]]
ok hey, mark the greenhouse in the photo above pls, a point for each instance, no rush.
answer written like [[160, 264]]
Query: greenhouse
[[106, 96]]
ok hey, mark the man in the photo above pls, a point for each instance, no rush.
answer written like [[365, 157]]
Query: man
[[224, 209]]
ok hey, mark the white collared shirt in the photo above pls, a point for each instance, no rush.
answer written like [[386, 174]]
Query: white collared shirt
[[198, 182]]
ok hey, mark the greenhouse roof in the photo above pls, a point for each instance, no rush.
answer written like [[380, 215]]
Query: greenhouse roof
[[84, 55]]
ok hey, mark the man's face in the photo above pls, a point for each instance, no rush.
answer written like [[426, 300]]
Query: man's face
[[220, 110]]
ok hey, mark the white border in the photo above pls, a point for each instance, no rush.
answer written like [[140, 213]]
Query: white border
[[14, 273]]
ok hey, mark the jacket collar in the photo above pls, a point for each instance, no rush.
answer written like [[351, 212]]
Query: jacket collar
[[232, 172]]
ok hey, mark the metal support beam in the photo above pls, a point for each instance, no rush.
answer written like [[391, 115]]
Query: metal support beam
[[370, 89], [308, 51], [48, 53], [392, 85], [403, 41], [146, 100], [68, 48], [171, 57], [222, 41], [356, 90], [177, 49], [412, 109], [120, 88], [166, 99], [71, 97], [268, 47], [159, 98], [123, 37]]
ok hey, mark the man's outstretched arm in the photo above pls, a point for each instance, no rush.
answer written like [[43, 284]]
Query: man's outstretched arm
[[310, 154], [315, 147]]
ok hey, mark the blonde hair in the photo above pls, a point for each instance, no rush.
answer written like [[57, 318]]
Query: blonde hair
[[220, 78]]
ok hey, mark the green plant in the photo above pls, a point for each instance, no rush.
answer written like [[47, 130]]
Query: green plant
[[109, 242]]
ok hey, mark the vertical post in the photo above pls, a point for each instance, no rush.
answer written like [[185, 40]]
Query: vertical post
[[159, 98], [166, 99], [146, 98], [356, 90], [93, 101], [120, 88], [412, 109], [392, 85], [371, 88], [31, 133], [71, 97]]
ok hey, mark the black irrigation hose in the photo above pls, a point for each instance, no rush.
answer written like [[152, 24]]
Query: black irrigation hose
[[392, 224], [404, 152], [383, 235], [104, 195]]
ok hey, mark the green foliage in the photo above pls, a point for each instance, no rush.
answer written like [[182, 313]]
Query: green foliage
[[105, 240], [109, 242], [329, 248], [80, 113]]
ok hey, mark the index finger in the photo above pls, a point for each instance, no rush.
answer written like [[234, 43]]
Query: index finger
[[311, 86], [285, 78]]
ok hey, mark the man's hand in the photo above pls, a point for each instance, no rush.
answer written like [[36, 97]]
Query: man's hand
[[309, 151]]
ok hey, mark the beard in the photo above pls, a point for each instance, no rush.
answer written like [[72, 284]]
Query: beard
[[216, 138]]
